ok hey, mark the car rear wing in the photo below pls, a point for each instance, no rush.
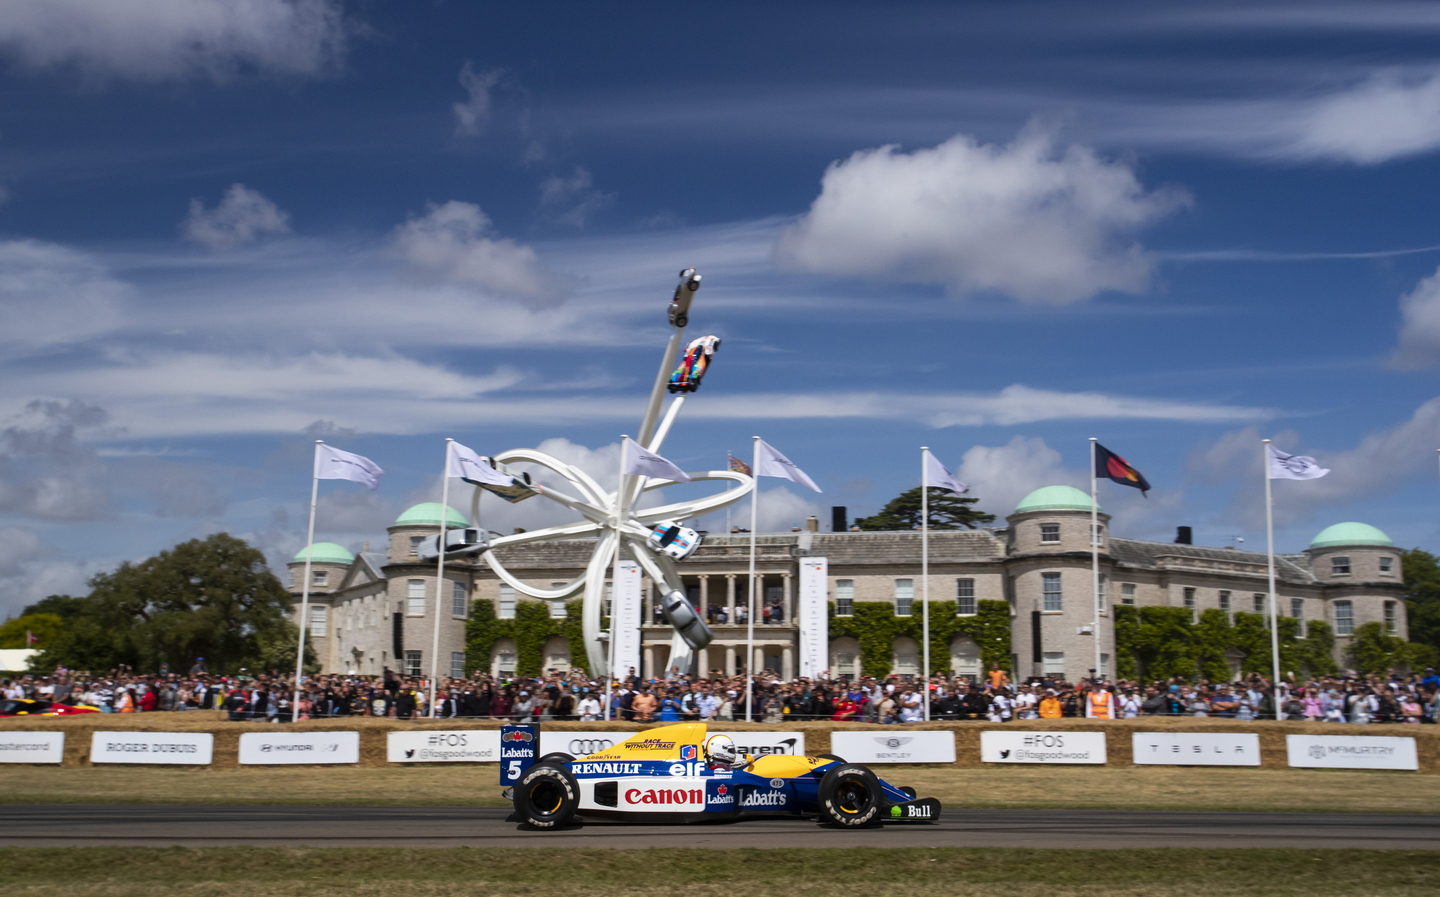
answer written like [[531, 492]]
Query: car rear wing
[[519, 747]]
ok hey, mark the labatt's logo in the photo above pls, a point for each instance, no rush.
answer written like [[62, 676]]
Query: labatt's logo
[[665, 796], [764, 799]]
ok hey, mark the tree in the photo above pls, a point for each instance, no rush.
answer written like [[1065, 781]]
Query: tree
[[1421, 570], [213, 598], [42, 628], [947, 511]]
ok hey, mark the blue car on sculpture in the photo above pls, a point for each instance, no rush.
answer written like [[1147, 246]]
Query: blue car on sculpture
[[680, 773]]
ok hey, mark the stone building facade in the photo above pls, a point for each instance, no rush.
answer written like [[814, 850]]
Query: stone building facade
[[371, 611]]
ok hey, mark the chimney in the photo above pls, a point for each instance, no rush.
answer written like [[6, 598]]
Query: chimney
[[838, 519], [812, 524], [1183, 536]]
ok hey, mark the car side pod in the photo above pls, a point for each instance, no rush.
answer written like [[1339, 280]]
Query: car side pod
[[681, 615]]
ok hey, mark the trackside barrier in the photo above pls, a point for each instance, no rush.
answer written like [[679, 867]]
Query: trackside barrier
[[965, 745]]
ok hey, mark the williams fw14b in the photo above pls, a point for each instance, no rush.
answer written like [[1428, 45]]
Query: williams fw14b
[[680, 773]]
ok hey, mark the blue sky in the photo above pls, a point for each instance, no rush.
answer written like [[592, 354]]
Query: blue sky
[[228, 229]]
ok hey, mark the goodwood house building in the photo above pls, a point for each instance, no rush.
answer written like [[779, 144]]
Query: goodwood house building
[[370, 611]]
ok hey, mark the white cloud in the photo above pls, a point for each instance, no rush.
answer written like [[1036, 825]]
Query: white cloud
[[47, 469], [1033, 220], [154, 40], [29, 571], [51, 295], [1001, 475], [572, 200], [1419, 345], [1388, 116], [452, 240], [241, 217], [1378, 465], [474, 112]]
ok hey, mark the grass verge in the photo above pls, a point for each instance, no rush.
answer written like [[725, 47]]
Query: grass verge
[[954, 872]]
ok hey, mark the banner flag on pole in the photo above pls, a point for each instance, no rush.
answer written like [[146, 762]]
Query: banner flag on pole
[[1115, 468], [735, 464], [472, 468], [770, 463], [640, 461], [333, 464], [1283, 466], [937, 474]]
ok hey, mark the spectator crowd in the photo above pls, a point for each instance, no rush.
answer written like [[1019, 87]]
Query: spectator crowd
[[898, 699]]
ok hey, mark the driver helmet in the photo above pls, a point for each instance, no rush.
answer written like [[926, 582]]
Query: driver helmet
[[720, 750]]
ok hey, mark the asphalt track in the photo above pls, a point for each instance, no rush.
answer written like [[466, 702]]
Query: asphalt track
[[151, 825]]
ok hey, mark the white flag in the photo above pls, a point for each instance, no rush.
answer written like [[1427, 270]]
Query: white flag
[[472, 468], [937, 474], [640, 461], [774, 464], [1294, 467], [333, 464]]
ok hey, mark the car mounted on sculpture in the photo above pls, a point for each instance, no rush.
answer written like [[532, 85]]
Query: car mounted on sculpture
[[680, 773]]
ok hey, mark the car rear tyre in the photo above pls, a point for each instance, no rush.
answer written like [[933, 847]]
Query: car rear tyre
[[850, 796], [556, 758], [546, 797]]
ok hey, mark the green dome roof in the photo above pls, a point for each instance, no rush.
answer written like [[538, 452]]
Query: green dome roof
[[325, 553], [1350, 534], [428, 514], [1054, 498]]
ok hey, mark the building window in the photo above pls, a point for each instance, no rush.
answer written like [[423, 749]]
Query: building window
[[1387, 565], [1053, 663], [1049, 532], [1050, 587], [844, 597], [415, 545], [412, 663], [1102, 594], [1097, 535], [1127, 594], [557, 609], [965, 597], [1339, 566], [1258, 602], [1190, 604], [904, 597], [506, 610], [1225, 603], [415, 598], [457, 599], [1392, 618], [319, 620], [319, 577], [1297, 610], [1344, 618], [457, 664]]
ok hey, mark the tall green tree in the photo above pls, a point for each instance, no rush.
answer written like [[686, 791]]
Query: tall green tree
[[1421, 570], [17, 631], [213, 598], [947, 511]]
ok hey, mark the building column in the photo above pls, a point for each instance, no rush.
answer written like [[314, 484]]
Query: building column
[[729, 660], [704, 593], [787, 662], [787, 599]]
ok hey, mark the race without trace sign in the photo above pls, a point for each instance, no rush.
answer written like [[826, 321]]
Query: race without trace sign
[[1195, 748], [32, 747], [1351, 751], [186, 748], [272, 748], [1042, 747], [900, 746], [455, 746]]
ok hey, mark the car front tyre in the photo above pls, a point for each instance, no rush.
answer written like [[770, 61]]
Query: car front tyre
[[850, 796], [546, 797]]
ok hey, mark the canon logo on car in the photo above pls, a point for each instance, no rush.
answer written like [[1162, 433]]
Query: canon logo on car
[[665, 796]]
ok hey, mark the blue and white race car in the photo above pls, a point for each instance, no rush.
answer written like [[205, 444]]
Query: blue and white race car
[[680, 773]]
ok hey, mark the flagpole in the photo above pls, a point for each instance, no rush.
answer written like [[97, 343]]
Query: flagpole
[[305, 582], [1270, 575], [925, 576], [750, 598], [440, 573], [614, 580], [1095, 556]]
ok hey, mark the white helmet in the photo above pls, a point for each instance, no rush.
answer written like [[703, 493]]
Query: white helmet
[[720, 749]]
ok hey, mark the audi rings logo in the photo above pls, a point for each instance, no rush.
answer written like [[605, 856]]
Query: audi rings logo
[[582, 746], [1317, 751]]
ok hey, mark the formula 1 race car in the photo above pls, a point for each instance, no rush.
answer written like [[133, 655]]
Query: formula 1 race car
[[37, 707], [679, 773]]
